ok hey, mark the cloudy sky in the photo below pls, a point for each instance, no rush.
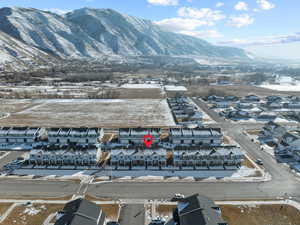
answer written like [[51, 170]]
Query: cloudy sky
[[265, 27]]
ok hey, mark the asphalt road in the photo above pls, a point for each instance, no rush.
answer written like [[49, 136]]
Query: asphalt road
[[133, 214], [283, 182]]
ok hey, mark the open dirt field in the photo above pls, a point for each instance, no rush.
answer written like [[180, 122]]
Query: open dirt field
[[261, 215], [111, 211], [4, 207], [31, 215], [93, 113]]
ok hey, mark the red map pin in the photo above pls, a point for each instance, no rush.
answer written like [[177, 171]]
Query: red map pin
[[148, 139]]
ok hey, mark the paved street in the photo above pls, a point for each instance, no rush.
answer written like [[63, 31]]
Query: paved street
[[133, 214]]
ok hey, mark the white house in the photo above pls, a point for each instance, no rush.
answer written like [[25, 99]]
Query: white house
[[64, 157], [131, 157], [19, 135], [79, 136], [135, 136], [208, 157], [196, 136]]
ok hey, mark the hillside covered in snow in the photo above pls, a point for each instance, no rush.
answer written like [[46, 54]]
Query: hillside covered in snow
[[96, 32]]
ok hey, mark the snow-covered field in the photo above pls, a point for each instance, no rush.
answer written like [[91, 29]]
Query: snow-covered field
[[175, 88], [283, 87], [93, 113], [141, 86]]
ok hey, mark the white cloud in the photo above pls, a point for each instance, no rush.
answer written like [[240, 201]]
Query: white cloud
[[241, 6], [58, 11], [188, 26], [240, 21], [163, 2], [203, 13], [264, 41], [180, 24], [220, 4], [190, 19], [265, 4], [203, 34]]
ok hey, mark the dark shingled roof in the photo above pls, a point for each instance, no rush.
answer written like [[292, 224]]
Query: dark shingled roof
[[199, 210], [81, 212]]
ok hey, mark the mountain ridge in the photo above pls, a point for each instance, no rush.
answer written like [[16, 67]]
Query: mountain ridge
[[93, 33]]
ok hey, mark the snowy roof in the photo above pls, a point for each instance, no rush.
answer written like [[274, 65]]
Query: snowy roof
[[18, 131]]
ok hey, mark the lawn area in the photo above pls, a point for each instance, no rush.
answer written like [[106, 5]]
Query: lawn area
[[165, 210], [4, 207], [31, 215], [111, 211], [261, 215]]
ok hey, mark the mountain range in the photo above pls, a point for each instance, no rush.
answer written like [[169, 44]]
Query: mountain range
[[94, 33]]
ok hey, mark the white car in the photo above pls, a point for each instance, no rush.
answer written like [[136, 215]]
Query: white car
[[177, 197]]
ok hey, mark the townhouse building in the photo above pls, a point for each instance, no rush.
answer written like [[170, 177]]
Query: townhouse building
[[219, 156], [196, 136], [64, 157], [135, 136], [79, 136], [131, 157], [19, 135]]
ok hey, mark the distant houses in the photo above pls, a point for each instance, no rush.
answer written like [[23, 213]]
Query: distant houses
[[185, 111]]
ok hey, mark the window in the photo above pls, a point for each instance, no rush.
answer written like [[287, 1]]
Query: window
[[193, 141], [87, 141], [57, 141], [25, 140], [182, 141], [211, 141]]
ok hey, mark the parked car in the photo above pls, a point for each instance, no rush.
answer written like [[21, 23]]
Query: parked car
[[158, 221], [259, 162], [177, 197], [112, 223]]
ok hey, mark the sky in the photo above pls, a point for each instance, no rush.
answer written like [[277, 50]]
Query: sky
[[267, 28]]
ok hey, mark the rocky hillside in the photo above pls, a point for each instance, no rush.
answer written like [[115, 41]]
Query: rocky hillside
[[96, 32]]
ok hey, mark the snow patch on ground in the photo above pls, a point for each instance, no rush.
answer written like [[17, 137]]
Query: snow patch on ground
[[31, 211], [285, 87], [141, 86], [175, 88]]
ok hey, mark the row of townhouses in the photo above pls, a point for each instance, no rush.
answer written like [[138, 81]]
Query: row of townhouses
[[176, 136], [30, 135], [64, 157], [19, 135], [79, 136], [217, 156], [184, 111]]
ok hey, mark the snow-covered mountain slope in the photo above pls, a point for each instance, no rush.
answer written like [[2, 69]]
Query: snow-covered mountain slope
[[49, 31], [20, 55], [96, 32]]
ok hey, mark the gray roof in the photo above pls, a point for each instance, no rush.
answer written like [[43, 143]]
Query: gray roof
[[198, 210], [81, 212]]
